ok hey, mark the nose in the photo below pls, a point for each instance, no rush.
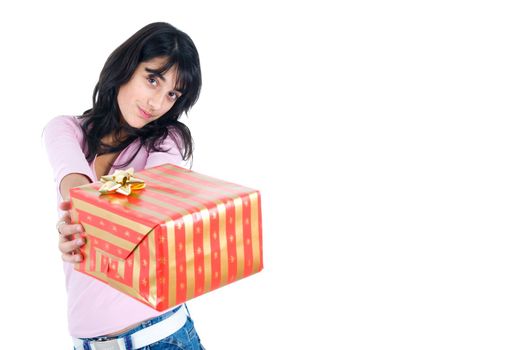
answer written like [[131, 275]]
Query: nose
[[155, 101]]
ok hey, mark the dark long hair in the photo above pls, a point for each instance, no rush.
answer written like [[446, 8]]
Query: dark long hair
[[154, 40]]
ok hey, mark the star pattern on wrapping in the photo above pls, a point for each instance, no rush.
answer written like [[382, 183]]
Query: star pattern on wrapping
[[219, 234]]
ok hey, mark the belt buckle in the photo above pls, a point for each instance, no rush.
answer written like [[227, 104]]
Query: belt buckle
[[112, 344]]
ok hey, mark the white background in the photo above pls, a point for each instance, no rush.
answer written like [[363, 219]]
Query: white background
[[386, 138]]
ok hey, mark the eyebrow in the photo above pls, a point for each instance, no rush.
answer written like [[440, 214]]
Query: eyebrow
[[155, 73]]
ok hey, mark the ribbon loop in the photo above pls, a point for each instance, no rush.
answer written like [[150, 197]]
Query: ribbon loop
[[121, 181]]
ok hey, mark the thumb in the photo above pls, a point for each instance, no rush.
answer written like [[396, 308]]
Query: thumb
[[65, 205]]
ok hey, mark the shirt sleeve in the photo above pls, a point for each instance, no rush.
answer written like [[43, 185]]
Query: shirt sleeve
[[172, 154], [62, 138]]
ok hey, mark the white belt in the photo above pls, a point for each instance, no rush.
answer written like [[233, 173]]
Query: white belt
[[142, 337]]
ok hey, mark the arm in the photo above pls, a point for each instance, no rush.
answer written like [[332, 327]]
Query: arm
[[171, 156], [72, 180], [62, 139]]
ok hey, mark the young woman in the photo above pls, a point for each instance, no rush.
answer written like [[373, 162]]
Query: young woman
[[145, 86]]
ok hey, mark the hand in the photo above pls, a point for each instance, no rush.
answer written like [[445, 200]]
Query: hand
[[68, 244]]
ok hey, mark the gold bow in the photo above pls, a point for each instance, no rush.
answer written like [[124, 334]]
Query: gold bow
[[121, 181]]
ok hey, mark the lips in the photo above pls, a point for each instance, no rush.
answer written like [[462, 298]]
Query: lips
[[145, 114]]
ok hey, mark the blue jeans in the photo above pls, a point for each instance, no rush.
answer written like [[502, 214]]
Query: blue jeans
[[185, 338]]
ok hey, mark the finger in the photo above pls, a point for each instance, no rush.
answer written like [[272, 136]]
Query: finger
[[65, 205], [66, 230], [69, 247], [66, 216], [72, 258], [64, 219]]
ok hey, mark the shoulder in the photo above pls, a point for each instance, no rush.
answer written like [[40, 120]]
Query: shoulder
[[64, 122], [172, 142], [168, 151]]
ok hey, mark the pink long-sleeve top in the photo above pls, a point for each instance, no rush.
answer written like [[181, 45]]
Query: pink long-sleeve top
[[94, 308]]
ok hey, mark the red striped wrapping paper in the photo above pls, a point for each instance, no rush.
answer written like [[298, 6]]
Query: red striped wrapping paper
[[185, 234]]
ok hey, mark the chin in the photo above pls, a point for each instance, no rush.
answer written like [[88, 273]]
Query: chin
[[139, 124], [136, 123]]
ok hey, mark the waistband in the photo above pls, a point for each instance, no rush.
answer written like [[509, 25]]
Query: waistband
[[141, 337]]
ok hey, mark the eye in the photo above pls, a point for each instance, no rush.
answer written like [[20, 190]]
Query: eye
[[152, 81], [173, 96]]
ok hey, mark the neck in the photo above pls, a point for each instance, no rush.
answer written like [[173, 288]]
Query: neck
[[113, 139]]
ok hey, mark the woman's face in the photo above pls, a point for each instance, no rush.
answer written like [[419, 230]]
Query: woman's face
[[147, 95]]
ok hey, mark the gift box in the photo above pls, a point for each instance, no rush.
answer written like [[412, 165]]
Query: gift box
[[182, 235]]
